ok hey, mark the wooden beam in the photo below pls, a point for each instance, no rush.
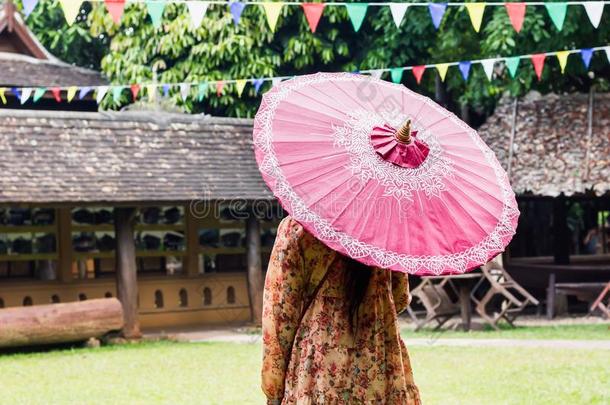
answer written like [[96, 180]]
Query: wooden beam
[[255, 273], [126, 276]]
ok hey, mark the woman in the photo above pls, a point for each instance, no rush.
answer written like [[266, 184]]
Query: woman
[[330, 330]]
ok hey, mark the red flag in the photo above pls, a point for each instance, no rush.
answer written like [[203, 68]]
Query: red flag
[[115, 8], [56, 93], [516, 13], [418, 72], [219, 86], [313, 13], [538, 62], [135, 89]]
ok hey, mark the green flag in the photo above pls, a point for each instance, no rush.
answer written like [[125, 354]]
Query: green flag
[[356, 12], [116, 93], [557, 11], [201, 90], [38, 93], [396, 74], [513, 64], [155, 11]]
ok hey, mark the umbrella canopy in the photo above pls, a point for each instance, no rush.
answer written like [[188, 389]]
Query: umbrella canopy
[[383, 175]]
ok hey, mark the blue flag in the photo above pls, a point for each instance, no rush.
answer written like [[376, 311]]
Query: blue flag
[[465, 69], [586, 55], [437, 11]]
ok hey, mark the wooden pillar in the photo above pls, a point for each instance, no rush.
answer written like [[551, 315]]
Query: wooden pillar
[[255, 273], [126, 277], [64, 245], [191, 260], [561, 232]]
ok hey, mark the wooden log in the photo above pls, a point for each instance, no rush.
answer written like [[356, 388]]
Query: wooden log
[[255, 272], [59, 323]]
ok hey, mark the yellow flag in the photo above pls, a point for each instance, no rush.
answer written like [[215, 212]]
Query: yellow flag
[[272, 11], [151, 90], [442, 70], [71, 9], [562, 57], [240, 85], [71, 93], [475, 11], [2, 96]]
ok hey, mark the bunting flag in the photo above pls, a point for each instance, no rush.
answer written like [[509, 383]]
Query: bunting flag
[[25, 95], [219, 86], [437, 11], [151, 92], [562, 57], [272, 12], [28, 7], [197, 10], [239, 86], [594, 10], [418, 72], [185, 89], [155, 11], [442, 70], [465, 69], [236, 8], [70, 9], [607, 53], [56, 91], [2, 95], [202, 89], [356, 13], [83, 92], [538, 62], [165, 89], [488, 67], [516, 14], [475, 11], [115, 9], [116, 93], [101, 93], [377, 73], [586, 55], [39, 93], [313, 13], [398, 11], [275, 81], [257, 85], [396, 74], [71, 93], [512, 64], [135, 89], [557, 12]]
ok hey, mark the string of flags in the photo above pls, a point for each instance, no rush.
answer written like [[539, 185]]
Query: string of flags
[[200, 89], [356, 11]]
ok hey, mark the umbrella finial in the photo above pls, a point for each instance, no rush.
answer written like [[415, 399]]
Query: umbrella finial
[[403, 135]]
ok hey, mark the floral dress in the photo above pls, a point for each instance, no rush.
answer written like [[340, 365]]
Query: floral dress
[[328, 363]]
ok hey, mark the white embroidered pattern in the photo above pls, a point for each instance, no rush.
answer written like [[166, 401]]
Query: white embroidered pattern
[[398, 182], [457, 262]]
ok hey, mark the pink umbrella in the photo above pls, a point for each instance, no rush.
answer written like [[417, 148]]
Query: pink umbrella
[[383, 174]]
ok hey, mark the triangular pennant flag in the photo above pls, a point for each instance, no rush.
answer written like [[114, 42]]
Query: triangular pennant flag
[[28, 7], [607, 50], [83, 92], [418, 72], [16, 92], [437, 11], [71, 93], [398, 11], [25, 94], [516, 14], [257, 85], [272, 12], [115, 9], [2, 96], [219, 86], [56, 93], [512, 64], [135, 89], [356, 13], [202, 89], [71, 9], [39, 93], [275, 81], [239, 86], [155, 11], [475, 11], [116, 93], [165, 89], [557, 12], [465, 69], [586, 54], [396, 74], [101, 93], [197, 10], [594, 9], [151, 92], [442, 70], [236, 8], [377, 73], [185, 89], [313, 13], [562, 57], [538, 62], [488, 67]]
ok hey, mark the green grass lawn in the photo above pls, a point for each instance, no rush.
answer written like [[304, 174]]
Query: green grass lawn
[[600, 331], [226, 373]]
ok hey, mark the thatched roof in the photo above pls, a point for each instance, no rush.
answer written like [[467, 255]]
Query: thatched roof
[[51, 156], [552, 152]]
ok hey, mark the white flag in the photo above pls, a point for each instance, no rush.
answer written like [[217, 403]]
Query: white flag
[[275, 80], [607, 49], [594, 10], [197, 11], [185, 88], [25, 94], [101, 92], [488, 67], [377, 73], [398, 11]]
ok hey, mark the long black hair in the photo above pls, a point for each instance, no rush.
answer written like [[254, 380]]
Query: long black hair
[[357, 277]]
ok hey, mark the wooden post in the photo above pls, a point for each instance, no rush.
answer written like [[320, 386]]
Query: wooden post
[[64, 245], [126, 277], [561, 232], [255, 273], [191, 260], [550, 297]]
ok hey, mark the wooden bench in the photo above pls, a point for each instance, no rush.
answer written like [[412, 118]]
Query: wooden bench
[[585, 291], [599, 303]]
